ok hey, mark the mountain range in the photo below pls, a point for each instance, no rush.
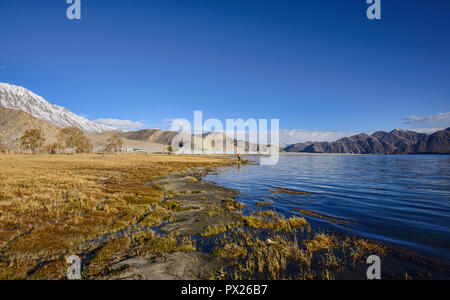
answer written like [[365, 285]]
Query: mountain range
[[21, 109], [395, 142]]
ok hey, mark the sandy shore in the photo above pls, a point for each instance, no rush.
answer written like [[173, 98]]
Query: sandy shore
[[202, 207]]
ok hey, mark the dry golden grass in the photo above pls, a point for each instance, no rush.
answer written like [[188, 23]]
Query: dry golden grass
[[51, 205], [230, 250], [266, 203], [155, 244], [322, 256], [321, 242], [214, 230], [107, 255], [273, 221]]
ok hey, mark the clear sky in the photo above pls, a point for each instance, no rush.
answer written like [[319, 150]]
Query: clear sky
[[314, 64]]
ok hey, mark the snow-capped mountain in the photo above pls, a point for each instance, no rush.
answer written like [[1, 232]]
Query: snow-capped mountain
[[19, 98]]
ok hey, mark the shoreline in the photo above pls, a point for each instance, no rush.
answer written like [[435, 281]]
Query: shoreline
[[354, 154], [202, 213], [201, 199]]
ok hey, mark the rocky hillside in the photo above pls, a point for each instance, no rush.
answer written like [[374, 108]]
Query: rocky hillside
[[438, 142], [14, 123], [395, 142]]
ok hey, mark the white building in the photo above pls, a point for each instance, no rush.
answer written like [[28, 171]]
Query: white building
[[127, 150]]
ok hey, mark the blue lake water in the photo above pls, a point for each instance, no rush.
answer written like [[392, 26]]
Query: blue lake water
[[398, 199]]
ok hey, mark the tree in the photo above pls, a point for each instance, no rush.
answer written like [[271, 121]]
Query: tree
[[31, 141], [55, 148], [115, 144], [74, 139], [84, 146], [3, 146]]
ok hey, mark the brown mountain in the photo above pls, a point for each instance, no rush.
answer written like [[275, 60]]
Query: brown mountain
[[395, 142], [149, 135], [297, 147], [13, 123], [161, 137], [438, 142], [400, 139]]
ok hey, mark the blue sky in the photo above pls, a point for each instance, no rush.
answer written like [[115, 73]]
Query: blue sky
[[317, 65]]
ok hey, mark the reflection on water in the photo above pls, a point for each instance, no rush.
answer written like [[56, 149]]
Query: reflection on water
[[402, 199]]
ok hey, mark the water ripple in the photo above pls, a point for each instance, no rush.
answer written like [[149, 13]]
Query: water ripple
[[397, 199]]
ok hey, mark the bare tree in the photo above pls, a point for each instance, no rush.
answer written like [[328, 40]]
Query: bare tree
[[114, 145], [3, 146], [84, 146], [74, 139], [31, 141], [55, 148]]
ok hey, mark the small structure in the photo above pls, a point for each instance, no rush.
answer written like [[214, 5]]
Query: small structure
[[127, 150]]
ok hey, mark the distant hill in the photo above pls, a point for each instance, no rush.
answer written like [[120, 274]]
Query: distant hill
[[100, 140], [13, 123], [149, 135], [395, 142], [157, 136]]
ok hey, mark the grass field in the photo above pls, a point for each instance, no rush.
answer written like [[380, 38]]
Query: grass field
[[50, 206]]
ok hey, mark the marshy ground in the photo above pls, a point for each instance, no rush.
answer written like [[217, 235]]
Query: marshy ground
[[94, 206], [151, 217]]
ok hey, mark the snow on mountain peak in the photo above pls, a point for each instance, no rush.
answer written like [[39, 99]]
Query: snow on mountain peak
[[19, 98]]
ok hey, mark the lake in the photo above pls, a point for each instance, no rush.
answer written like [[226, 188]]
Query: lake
[[401, 200]]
